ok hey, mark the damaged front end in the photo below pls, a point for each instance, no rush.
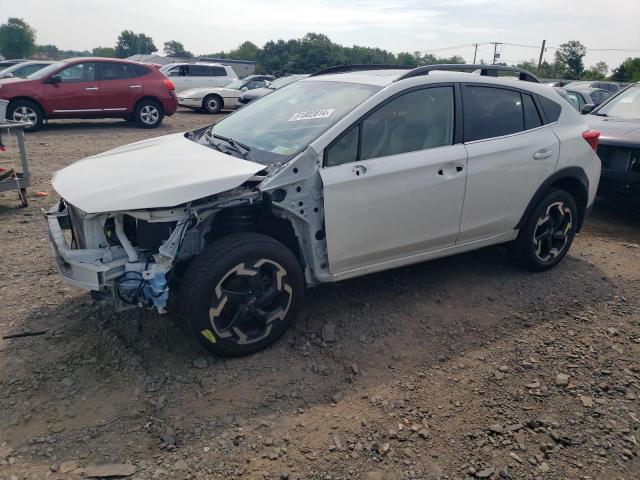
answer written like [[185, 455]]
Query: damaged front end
[[125, 257]]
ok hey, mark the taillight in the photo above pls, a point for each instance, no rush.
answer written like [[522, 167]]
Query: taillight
[[592, 137], [169, 84]]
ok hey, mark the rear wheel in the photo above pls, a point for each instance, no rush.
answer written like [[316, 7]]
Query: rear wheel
[[26, 111], [148, 114], [548, 233], [212, 104], [241, 293]]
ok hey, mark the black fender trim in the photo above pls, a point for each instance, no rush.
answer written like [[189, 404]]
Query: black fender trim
[[576, 173]]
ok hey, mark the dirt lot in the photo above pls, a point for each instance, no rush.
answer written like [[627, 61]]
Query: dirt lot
[[466, 367]]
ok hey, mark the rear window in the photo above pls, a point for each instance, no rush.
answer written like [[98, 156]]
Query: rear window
[[492, 112], [114, 71], [139, 70], [551, 109]]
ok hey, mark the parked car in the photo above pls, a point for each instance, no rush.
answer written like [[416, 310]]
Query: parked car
[[90, 88], [198, 75], [580, 97], [215, 99], [619, 121], [23, 70], [251, 95], [338, 175], [612, 87]]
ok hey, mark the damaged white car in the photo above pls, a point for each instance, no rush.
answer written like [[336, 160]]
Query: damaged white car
[[339, 175]]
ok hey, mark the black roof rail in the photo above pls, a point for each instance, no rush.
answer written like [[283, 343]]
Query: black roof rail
[[486, 70], [357, 68]]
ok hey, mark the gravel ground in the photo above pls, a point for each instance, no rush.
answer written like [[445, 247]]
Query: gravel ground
[[466, 367]]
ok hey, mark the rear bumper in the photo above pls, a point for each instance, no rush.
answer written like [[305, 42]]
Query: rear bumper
[[170, 105], [84, 268]]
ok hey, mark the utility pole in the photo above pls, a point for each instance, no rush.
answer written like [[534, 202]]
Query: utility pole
[[475, 52], [496, 55], [541, 54]]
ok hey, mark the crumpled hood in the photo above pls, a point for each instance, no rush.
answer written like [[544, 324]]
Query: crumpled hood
[[159, 172], [203, 92], [612, 128]]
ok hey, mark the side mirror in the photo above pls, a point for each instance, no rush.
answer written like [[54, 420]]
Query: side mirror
[[244, 89], [7, 75], [587, 108], [53, 79]]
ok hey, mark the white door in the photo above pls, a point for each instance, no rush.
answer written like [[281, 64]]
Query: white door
[[394, 184], [510, 155], [179, 75]]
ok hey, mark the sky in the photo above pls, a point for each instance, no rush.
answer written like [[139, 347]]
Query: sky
[[206, 26]]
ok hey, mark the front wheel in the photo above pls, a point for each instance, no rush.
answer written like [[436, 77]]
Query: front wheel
[[27, 112], [148, 114], [548, 233], [241, 293]]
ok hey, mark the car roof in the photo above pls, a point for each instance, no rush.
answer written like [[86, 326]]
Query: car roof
[[383, 78], [177, 64]]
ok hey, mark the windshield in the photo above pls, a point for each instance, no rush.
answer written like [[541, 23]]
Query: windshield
[[625, 105], [284, 123], [236, 84], [46, 70]]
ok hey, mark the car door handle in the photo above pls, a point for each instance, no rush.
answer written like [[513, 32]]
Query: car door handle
[[443, 172], [359, 170], [542, 154], [135, 86], [91, 89]]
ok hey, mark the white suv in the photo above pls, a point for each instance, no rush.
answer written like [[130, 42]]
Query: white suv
[[338, 175], [198, 75]]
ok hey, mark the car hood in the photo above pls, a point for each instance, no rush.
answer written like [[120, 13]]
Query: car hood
[[160, 172], [613, 128], [202, 92]]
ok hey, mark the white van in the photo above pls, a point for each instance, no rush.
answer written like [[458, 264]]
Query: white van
[[198, 75]]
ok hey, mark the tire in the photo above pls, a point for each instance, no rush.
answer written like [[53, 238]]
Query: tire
[[148, 114], [241, 294], [549, 231], [212, 104], [25, 110]]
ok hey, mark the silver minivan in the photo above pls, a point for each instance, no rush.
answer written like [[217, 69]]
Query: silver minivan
[[198, 75]]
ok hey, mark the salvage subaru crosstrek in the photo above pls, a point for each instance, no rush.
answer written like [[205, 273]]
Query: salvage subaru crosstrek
[[348, 172]]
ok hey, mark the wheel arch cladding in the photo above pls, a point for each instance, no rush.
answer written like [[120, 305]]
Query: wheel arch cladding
[[153, 99], [572, 180]]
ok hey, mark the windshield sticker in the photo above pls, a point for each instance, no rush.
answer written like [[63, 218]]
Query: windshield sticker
[[311, 114]]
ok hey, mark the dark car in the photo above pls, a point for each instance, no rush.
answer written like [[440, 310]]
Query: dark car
[[251, 95], [91, 88], [612, 87], [618, 121], [579, 97]]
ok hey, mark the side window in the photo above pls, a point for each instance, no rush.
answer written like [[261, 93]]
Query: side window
[[255, 84], [24, 72], [574, 100], [199, 71], [492, 112], [179, 71], [414, 121], [551, 109], [531, 116], [139, 70], [113, 71], [80, 72], [218, 72], [344, 150]]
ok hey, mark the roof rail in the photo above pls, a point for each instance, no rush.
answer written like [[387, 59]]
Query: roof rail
[[356, 68], [487, 70]]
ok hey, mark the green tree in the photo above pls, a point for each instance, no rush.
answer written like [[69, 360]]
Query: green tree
[[48, 51], [173, 48], [245, 51], [628, 71], [596, 72], [569, 59], [131, 43], [17, 39], [108, 52]]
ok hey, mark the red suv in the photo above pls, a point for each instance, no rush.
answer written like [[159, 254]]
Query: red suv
[[91, 88]]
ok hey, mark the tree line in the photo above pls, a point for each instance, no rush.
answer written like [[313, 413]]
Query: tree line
[[310, 53]]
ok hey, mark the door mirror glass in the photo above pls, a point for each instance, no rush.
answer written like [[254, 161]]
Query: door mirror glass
[[587, 108]]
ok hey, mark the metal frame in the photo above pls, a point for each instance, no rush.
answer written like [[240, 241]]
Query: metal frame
[[358, 68], [22, 179]]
